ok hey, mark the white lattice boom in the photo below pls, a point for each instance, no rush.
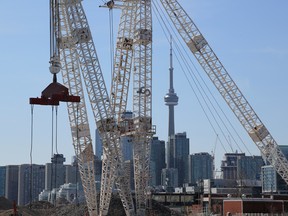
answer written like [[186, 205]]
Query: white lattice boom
[[227, 87]]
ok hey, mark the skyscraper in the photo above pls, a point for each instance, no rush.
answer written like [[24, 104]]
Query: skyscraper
[[171, 100], [200, 166], [55, 172], [98, 144], [157, 159], [2, 180], [271, 180], [27, 194], [229, 165], [11, 190], [181, 152]]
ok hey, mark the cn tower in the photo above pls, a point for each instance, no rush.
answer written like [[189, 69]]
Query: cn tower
[[171, 100]]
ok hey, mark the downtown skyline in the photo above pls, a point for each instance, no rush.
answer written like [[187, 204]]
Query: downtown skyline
[[253, 49]]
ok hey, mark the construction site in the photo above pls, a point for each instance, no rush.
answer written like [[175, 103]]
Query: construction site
[[77, 80]]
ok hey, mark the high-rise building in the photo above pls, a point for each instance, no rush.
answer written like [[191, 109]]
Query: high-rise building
[[72, 174], [200, 166], [2, 180], [240, 167], [98, 144], [31, 181], [11, 190], [169, 178], [272, 182], [249, 167], [55, 172], [269, 179], [171, 100], [181, 156], [229, 165], [157, 159], [127, 148]]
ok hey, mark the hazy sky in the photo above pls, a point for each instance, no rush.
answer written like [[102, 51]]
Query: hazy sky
[[249, 38]]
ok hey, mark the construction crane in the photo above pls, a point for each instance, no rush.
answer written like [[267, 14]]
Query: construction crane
[[134, 46], [76, 29], [74, 52], [108, 116], [202, 51]]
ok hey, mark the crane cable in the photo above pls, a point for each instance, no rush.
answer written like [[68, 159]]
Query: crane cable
[[111, 27], [204, 92], [52, 147], [31, 152]]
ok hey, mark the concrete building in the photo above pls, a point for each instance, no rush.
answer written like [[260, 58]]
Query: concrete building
[[98, 145], [271, 180], [157, 158], [11, 190], [229, 165], [200, 166], [30, 182], [171, 100], [127, 148], [55, 172], [169, 179], [249, 167], [2, 180], [181, 156], [240, 167]]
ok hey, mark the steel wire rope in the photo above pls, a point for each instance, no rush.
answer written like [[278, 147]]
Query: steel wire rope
[[53, 160], [187, 78], [31, 153], [219, 107], [253, 167], [56, 129], [77, 149], [189, 82], [52, 151], [201, 94], [111, 26], [208, 89], [189, 69]]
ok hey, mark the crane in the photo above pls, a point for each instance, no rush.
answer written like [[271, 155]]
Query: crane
[[217, 73], [138, 36], [73, 51], [77, 29], [134, 46]]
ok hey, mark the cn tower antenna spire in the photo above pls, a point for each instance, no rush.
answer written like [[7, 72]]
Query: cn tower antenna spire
[[171, 100], [171, 66]]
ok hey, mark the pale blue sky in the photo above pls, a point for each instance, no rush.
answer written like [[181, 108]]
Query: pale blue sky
[[249, 37]]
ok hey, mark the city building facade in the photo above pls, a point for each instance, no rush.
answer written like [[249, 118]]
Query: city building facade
[[11, 189], [31, 181], [229, 165], [2, 180], [200, 166], [55, 172], [181, 156], [157, 158]]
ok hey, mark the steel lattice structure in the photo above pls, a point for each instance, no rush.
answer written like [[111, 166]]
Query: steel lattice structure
[[227, 87], [72, 46]]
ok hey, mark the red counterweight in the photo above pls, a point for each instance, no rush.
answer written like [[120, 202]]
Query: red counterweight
[[53, 94]]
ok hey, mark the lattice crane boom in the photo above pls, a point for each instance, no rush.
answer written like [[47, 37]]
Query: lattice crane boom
[[79, 55], [123, 60], [134, 43], [142, 101], [227, 87]]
